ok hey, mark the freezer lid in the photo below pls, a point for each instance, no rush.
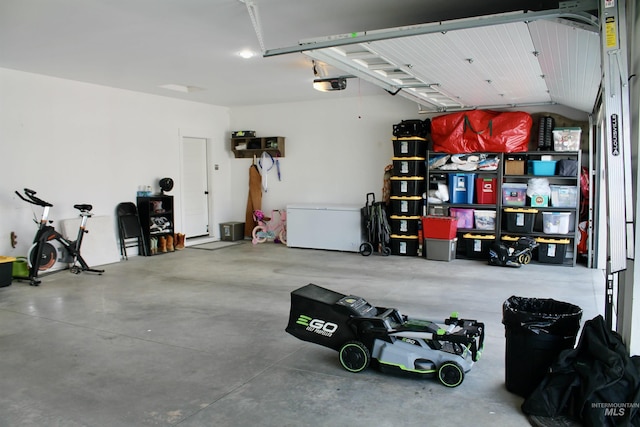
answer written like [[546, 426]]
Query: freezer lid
[[324, 207]]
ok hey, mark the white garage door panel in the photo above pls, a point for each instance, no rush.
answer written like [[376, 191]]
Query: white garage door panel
[[332, 227]]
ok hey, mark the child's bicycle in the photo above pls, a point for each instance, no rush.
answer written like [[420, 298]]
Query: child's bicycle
[[267, 229]]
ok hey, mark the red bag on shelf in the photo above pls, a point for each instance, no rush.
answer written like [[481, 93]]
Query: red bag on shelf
[[481, 131]]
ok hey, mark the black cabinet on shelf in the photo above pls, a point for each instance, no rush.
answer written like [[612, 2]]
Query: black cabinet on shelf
[[156, 219], [249, 147]]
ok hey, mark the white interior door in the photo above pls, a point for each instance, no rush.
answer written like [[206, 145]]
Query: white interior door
[[195, 189]]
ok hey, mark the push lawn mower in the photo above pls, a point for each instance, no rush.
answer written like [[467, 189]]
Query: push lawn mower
[[363, 334]]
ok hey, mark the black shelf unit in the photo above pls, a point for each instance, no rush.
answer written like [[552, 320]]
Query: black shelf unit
[[571, 254], [502, 177], [156, 218]]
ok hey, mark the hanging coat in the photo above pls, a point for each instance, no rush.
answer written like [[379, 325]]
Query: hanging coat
[[254, 200]]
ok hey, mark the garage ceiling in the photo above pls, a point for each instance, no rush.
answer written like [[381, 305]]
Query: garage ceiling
[[193, 45]]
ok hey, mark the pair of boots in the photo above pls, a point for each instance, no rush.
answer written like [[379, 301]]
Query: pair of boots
[[153, 245], [164, 244], [160, 244], [179, 241]]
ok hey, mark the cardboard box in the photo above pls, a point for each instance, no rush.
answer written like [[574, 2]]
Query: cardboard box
[[514, 166]]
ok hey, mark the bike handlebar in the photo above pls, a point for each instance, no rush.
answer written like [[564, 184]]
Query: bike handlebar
[[31, 198]]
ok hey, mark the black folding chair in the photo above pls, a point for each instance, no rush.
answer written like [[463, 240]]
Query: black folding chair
[[129, 228]]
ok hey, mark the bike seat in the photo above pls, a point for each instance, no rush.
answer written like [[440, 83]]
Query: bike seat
[[83, 208]]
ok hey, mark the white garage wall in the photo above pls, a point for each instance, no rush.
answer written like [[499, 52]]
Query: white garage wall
[[336, 149], [110, 141], [80, 143]]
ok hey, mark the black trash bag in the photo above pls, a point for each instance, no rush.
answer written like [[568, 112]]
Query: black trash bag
[[541, 316], [597, 383]]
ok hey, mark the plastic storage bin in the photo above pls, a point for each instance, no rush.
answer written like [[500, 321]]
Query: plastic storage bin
[[542, 167], [6, 270], [556, 222], [440, 250], [552, 251], [404, 225], [438, 210], [464, 217], [461, 187], [486, 191], [566, 139], [409, 147], [404, 245], [477, 245], [514, 194], [407, 185], [536, 331], [564, 196], [519, 220], [439, 227], [484, 220], [409, 166], [406, 205]]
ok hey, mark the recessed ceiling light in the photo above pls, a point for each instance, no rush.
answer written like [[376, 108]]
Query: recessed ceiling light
[[181, 88], [246, 54]]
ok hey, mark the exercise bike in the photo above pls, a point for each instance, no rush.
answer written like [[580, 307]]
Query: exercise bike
[[43, 254]]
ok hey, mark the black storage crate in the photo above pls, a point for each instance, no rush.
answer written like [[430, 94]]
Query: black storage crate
[[404, 245], [409, 166], [6, 270], [520, 220], [406, 205], [407, 225], [407, 185], [409, 147], [477, 245], [552, 251]]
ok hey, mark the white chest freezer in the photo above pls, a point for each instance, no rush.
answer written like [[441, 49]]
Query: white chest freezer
[[327, 226]]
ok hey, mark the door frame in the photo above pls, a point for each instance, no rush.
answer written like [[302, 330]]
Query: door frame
[[187, 133]]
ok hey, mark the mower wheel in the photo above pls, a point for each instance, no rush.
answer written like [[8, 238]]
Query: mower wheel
[[354, 356], [366, 249], [525, 258], [451, 374]]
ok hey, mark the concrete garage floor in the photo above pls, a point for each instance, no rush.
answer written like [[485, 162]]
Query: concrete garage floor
[[196, 338]]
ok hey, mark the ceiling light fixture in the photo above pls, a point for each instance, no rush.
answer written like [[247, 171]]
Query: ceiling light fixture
[[181, 88], [246, 54]]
